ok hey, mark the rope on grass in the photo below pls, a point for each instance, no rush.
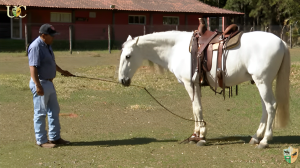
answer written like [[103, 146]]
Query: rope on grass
[[111, 81]]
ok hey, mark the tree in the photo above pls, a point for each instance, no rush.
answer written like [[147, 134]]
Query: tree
[[216, 3], [267, 12]]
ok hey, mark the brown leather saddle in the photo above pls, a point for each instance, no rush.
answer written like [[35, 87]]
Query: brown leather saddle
[[203, 43]]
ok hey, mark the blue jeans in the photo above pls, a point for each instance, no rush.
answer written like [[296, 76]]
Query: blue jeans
[[45, 105]]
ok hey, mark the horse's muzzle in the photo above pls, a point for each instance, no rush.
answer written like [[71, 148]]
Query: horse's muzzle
[[126, 81]]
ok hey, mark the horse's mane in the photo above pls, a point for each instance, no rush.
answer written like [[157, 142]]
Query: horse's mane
[[154, 33]]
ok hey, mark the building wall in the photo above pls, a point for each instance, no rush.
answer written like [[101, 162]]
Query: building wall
[[87, 28]]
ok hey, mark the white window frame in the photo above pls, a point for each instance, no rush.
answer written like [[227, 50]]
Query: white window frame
[[171, 17], [60, 20], [138, 23], [11, 28]]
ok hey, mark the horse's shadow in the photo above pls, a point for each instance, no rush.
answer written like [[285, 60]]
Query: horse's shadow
[[132, 141], [245, 139], [211, 141]]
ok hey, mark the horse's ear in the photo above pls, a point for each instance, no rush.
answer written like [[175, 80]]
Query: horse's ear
[[129, 38], [137, 40]]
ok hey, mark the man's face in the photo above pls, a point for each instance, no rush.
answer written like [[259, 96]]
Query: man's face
[[47, 39]]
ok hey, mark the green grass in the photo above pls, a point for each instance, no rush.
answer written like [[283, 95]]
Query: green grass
[[123, 127], [12, 45]]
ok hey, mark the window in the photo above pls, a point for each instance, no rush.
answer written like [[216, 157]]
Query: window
[[92, 14], [137, 19], [215, 23], [170, 20], [60, 17], [16, 28]]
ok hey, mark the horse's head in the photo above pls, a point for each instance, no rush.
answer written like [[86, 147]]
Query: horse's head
[[130, 61]]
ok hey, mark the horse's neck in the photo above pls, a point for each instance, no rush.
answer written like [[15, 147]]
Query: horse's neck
[[157, 48]]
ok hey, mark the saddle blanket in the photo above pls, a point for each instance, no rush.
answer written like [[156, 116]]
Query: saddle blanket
[[233, 42]]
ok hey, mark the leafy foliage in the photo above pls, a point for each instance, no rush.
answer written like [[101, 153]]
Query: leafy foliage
[[267, 11]]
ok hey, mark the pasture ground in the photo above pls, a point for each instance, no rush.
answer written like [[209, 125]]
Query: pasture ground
[[114, 126]]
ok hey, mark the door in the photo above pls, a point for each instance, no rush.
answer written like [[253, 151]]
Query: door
[[4, 25]]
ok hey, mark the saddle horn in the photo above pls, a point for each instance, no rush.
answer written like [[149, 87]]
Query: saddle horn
[[202, 27]]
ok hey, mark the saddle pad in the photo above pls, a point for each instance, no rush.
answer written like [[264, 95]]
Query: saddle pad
[[233, 42]]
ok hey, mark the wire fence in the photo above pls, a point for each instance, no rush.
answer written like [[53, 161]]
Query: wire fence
[[102, 37]]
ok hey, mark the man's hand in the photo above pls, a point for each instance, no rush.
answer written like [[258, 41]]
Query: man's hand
[[39, 90], [66, 73]]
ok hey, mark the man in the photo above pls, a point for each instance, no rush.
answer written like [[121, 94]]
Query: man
[[43, 69]]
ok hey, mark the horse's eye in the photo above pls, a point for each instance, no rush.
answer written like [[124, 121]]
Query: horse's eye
[[127, 56]]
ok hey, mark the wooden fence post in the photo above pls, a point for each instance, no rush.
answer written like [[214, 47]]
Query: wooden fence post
[[281, 35], [109, 39], [266, 29], [26, 40], [70, 38], [291, 44]]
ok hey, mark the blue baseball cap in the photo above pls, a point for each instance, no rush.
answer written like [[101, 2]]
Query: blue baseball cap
[[48, 29]]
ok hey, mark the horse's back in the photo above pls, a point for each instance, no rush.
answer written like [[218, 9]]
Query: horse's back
[[258, 54], [262, 52]]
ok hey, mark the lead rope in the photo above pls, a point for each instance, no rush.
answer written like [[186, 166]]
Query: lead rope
[[106, 80]]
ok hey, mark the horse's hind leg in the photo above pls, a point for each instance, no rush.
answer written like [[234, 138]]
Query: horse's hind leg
[[258, 136], [268, 98]]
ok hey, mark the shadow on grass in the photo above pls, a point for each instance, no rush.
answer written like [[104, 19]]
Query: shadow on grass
[[285, 140], [132, 141], [246, 139]]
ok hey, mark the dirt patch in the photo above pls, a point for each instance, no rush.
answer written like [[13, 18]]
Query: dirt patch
[[71, 115]]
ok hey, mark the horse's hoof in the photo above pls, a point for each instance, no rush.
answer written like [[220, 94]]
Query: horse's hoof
[[253, 141], [262, 146], [192, 142], [201, 143]]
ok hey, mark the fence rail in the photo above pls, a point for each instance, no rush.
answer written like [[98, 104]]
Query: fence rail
[[106, 37]]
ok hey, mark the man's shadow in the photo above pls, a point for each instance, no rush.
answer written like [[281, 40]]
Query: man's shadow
[[132, 141]]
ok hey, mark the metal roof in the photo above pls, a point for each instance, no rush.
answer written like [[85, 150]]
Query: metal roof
[[190, 6]]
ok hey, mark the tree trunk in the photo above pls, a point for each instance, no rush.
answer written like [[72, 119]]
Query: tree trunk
[[245, 17], [253, 24]]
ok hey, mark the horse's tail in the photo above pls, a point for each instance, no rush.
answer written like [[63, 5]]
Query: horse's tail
[[282, 92]]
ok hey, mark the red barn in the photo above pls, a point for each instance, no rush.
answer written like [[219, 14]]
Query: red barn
[[89, 19]]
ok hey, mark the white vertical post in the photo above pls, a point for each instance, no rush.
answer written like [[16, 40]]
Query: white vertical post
[[144, 30], [176, 27], [208, 26], [223, 24], [26, 40], [70, 38], [291, 31]]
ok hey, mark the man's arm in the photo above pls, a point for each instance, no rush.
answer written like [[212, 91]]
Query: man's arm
[[64, 73], [35, 78]]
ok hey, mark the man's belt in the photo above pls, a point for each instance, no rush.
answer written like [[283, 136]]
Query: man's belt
[[50, 79]]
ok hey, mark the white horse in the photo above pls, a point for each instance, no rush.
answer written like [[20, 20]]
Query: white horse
[[260, 56]]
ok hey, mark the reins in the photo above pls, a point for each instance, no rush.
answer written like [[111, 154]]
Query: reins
[[111, 81]]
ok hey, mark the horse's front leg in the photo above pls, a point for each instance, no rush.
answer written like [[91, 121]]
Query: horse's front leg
[[200, 126]]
